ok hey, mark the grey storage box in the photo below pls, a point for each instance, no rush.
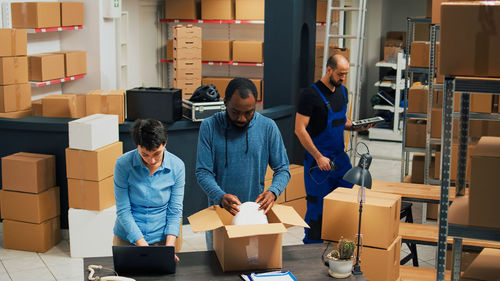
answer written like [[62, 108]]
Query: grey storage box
[[197, 111]]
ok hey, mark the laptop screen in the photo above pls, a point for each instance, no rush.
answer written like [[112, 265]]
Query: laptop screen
[[150, 260]]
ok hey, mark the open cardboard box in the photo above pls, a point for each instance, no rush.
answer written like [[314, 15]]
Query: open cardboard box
[[247, 247]]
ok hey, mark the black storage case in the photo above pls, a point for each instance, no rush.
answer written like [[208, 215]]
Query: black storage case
[[164, 104]]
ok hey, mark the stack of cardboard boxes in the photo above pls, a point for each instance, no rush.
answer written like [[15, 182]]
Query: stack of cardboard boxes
[[379, 228], [90, 160], [51, 66], [30, 202], [395, 42], [187, 59], [215, 9], [15, 92], [47, 14]]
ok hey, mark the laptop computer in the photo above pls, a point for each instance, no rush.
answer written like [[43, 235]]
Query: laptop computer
[[137, 260]]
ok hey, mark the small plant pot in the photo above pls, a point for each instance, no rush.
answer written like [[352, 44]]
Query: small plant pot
[[339, 268]]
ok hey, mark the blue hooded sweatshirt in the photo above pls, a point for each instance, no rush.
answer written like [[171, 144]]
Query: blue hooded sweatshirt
[[234, 160]]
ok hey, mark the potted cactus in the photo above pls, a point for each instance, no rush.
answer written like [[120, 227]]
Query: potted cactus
[[340, 261]]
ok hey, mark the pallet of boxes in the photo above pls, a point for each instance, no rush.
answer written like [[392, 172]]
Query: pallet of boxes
[[380, 255], [15, 91], [187, 59], [29, 202], [90, 160]]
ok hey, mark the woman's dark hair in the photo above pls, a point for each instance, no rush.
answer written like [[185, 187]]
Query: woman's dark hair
[[244, 86], [148, 133]]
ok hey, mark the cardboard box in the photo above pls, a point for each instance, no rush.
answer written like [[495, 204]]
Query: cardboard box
[[381, 264], [395, 38], [422, 32], [417, 168], [75, 62], [217, 9], [491, 128], [248, 51], [380, 218], [415, 133], [187, 86], [432, 211], [486, 266], [295, 188], [36, 107], [187, 42], [481, 103], [29, 207], [466, 260], [14, 42], [28, 172], [187, 69], [258, 84], [216, 50], [13, 70], [300, 206], [219, 82], [249, 9], [72, 13], [417, 99], [91, 195], [485, 160], [170, 50], [45, 67], [106, 102], [93, 132], [482, 58], [391, 53], [246, 247], [15, 97], [92, 165], [85, 241], [32, 237], [321, 11], [36, 14], [185, 10], [420, 53], [436, 122], [16, 114], [454, 162], [60, 106]]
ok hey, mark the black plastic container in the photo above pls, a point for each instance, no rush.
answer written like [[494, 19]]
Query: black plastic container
[[164, 104]]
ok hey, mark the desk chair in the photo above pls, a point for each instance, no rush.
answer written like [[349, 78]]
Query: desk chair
[[408, 216]]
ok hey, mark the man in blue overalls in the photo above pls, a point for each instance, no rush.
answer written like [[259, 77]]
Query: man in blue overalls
[[319, 124]]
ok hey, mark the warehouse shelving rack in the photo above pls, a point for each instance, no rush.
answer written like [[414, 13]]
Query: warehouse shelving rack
[[466, 85]]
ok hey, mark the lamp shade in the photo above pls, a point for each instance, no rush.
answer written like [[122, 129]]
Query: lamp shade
[[360, 175]]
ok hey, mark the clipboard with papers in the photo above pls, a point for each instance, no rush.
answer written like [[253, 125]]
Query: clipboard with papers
[[269, 276]]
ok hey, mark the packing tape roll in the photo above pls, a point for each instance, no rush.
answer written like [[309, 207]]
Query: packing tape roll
[[253, 250]]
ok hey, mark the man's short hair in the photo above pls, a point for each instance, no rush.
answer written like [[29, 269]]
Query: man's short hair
[[244, 86], [149, 134], [332, 63]]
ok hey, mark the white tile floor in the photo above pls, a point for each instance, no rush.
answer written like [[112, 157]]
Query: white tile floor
[[56, 264]]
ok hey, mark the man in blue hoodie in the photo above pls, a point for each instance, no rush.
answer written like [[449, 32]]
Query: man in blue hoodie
[[234, 149]]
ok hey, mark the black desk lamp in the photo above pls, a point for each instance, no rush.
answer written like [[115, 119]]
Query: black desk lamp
[[360, 175]]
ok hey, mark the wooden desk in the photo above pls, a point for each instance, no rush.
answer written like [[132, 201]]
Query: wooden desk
[[304, 261], [412, 191], [410, 273]]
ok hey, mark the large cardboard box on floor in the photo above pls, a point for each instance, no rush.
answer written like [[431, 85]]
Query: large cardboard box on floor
[[417, 168], [13, 70], [92, 165], [219, 82], [248, 51], [246, 247], [14, 42], [91, 195], [249, 9], [106, 102], [34, 237], [216, 50], [84, 240], [30, 207], [183, 10], [15, 97], [72, 13], [45, 67], [65, 105], [485, 267], [217, 9], [471, 18], [28, 172], [36, 14], [93, 132], [380, 218], [415, 133], [485, 160]]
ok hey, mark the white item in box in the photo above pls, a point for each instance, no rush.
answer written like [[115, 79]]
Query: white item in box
[[93, 132], [91, 232]]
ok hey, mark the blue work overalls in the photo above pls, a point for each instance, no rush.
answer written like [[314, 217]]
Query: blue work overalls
[[330, 142]]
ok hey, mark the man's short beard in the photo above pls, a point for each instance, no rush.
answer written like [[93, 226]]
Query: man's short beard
[[335, 84]]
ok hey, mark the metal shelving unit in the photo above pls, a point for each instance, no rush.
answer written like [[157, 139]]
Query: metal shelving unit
[[465, 85]]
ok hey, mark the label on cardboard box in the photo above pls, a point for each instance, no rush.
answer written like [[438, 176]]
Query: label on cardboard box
[[28, 172]]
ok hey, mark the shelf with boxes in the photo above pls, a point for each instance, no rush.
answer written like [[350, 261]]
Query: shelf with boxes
[[56, 81], [222, 63], [53, 29]]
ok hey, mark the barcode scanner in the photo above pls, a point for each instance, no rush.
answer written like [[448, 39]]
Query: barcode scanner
[[333, 167]]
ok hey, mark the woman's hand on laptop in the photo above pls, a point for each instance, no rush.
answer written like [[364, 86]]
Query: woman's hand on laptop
[[170, 241], [141, 242]]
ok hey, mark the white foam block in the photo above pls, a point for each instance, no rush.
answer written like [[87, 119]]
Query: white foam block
[[93, 132], [91, 232]]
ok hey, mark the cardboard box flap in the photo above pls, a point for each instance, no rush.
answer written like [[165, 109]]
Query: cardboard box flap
[[204, 220], [237, 231], [487, 146], [288, 215]]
